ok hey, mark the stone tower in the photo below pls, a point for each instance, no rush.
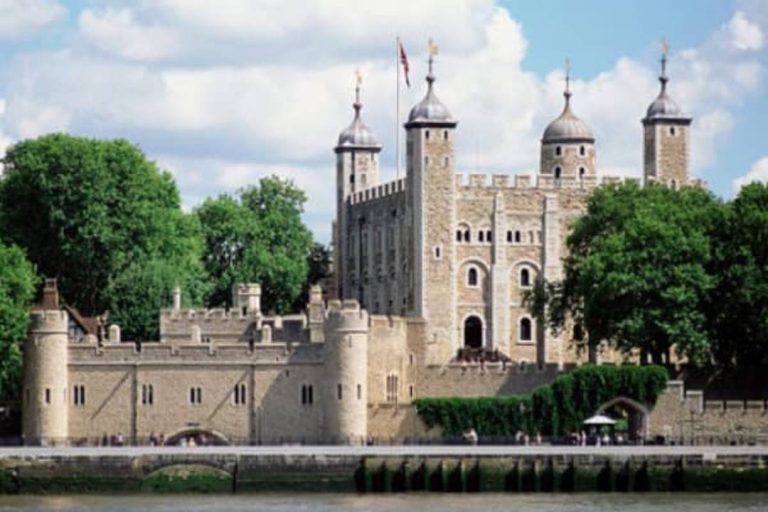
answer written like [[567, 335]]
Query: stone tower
[[665, 137], [432, 213], [45, 394], [567, 146], [345, 392], [357, 168]]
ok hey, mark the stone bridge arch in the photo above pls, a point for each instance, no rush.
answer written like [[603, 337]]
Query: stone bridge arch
[[213, 437]]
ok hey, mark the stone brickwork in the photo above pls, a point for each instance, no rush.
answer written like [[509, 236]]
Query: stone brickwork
[[441, 261]]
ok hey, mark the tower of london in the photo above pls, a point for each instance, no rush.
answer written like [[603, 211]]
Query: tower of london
[[426, 301]]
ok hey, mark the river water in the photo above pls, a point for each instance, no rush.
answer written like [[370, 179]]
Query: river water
[[396, 503]]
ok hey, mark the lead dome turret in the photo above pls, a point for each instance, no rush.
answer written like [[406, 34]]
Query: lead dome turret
[[567, 127], [567, 145], [357, 134]]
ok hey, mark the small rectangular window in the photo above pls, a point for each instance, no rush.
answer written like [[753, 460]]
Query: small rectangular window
[[47, 395]]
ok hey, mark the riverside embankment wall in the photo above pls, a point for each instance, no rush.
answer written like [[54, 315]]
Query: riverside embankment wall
[[388, 469]]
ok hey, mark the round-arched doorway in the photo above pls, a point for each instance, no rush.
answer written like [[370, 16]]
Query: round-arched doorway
[[473, 332]]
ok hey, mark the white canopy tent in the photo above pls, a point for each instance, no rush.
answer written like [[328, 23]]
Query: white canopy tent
[[599, 420]]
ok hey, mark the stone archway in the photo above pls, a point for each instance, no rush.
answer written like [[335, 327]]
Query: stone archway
[[473, 332], [201, 436], [635, 413]]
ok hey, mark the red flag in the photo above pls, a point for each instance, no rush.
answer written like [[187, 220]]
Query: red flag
[[404, 62]]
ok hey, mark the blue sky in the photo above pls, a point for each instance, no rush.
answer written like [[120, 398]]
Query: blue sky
[[222, 93]]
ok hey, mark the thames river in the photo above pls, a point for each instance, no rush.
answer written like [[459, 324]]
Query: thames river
[[397, 503]]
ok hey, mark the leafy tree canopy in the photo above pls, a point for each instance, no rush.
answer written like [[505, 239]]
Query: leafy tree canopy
[[737, 310], [257, 236], [18, 282], [637, 276], [87, 211]]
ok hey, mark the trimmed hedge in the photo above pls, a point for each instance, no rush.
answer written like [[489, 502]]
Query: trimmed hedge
[[552, 409]]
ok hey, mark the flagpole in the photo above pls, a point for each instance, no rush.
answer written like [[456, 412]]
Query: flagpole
[[397, 108]]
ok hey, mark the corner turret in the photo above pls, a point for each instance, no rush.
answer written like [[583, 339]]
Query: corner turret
[[567, 145], [346, 371], [45, 383], [666, 133]]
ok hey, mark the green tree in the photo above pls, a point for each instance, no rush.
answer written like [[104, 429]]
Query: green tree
[[87, 211], [637, 273], [737, 309], [257, 236], [18, 281]]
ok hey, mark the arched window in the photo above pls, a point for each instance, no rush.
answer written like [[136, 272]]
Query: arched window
[[509, 237], [518, 237], [480, 236], [525, 278], [558, 172], [467, 236], [582, 150], [472, 276], [582, 172], [459, 236], [488, 236], [558, 150], [526, 332], [473, 332]]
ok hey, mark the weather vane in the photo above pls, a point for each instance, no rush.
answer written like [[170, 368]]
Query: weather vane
[[664, 53]]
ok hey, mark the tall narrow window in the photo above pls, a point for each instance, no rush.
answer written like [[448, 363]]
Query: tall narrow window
[[147, 397], [509, 236], [582, 150], [239, 394], [558, 150], [359, 392], [525, 278], [47, 395], [558, 172], [391, 389], [518, 237], [472, 276], [195, 396], [526, 333], [339, 391], [489, 236], [480, 236], [78, 394]]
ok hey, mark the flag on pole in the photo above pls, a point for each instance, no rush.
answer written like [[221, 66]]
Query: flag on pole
[[406, 66]]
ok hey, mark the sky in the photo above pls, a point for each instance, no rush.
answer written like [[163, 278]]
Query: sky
[[221, 93]]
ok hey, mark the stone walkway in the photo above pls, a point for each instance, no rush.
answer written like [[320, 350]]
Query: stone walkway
[[707, 452]]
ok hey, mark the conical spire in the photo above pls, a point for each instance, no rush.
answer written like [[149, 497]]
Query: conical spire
[[357, 134]]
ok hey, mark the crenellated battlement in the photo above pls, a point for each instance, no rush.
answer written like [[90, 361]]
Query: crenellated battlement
[[378, 192], [49, 320], [345, 316], [208, 353], [536, 182]]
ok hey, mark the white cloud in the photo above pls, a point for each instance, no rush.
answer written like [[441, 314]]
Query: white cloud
[[758, 172], [117, 31], [745, 35], [163, 77], [21, 18]]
